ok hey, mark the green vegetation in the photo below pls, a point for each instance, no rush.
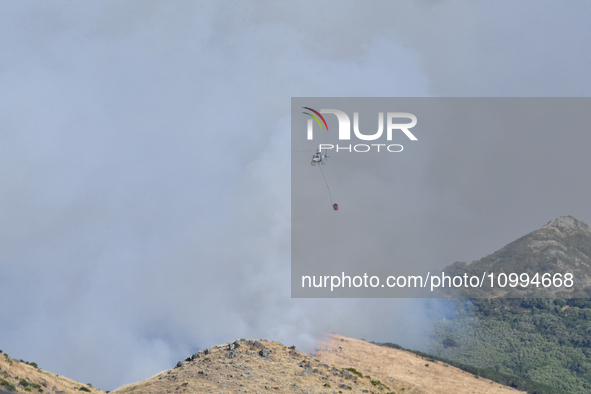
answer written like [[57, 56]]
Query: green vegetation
[[28, 386], [516, 382], [7, 385], [34, 365], [82, 388], [543, 340], [354, 372], [378, 383]]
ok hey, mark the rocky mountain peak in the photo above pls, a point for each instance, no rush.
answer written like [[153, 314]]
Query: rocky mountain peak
[[568, 225]]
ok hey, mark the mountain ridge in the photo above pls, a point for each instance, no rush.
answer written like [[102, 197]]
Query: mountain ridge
[[561, 246]]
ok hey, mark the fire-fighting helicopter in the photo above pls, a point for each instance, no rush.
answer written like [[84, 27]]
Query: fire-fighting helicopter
[[319, 158]]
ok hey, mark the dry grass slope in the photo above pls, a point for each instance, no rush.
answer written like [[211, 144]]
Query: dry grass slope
[[340, 365], [402, 371], [19, 377]]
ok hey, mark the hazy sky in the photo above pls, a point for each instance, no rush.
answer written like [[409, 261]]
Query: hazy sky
[[145, 161]]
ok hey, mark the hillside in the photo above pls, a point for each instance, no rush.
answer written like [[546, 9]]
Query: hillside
[[561, 246], [403, 371], [22, 377], [548, 341], [544, 334], [335, 367]]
